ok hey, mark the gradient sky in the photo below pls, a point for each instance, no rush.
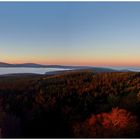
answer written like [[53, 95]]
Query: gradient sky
[[70, 33]]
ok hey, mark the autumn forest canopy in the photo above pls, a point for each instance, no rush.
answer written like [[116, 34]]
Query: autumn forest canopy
[[78, 104]]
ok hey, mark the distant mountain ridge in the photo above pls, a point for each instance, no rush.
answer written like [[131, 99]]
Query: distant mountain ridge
[[2, 64], [34, 65]]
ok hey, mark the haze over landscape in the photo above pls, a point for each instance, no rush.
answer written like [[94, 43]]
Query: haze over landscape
[[70, 33]]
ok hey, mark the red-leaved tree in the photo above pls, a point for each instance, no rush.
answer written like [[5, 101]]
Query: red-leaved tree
[[117, 123]]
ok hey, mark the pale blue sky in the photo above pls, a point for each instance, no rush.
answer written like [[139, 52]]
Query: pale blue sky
[[71, 33]]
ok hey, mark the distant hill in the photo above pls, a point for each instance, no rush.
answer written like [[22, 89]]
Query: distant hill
[[28, 65], [4, 64], [20, 65], [34, 65]]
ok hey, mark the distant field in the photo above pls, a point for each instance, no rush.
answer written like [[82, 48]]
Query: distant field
[[78, 104]]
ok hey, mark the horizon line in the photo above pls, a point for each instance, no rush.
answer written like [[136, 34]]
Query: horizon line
[[61, 64]]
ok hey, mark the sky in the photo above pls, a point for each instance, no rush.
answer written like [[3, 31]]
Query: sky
[[70, 33]]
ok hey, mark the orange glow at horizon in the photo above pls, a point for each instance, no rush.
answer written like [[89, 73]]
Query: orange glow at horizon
[[76, 62]]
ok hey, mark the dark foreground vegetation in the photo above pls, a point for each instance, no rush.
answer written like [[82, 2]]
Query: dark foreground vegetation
[[80, 104]]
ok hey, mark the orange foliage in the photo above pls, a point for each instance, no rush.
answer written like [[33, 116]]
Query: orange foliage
[[117, 123]]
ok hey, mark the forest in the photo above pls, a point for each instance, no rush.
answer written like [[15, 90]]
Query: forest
[[78, 104]]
